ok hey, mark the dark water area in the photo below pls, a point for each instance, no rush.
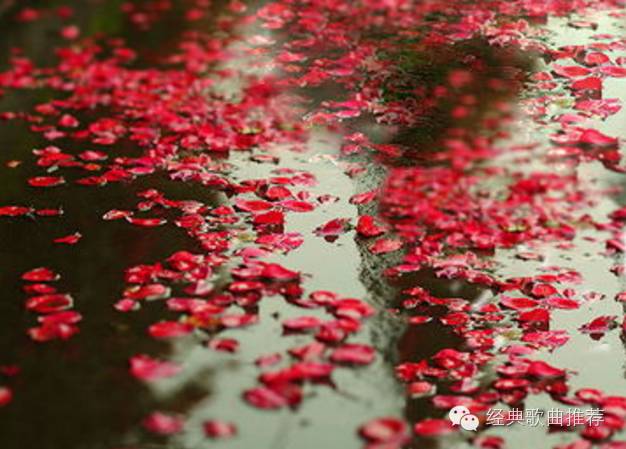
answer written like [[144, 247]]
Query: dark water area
[[78, 393]]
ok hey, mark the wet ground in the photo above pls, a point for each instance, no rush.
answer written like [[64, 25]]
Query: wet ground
[[78, 394]]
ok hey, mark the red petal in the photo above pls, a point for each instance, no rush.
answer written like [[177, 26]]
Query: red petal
[[614, 71], [52, 331], [297, 206], [333, 227], [116, 214], [71, 239], [544, 370], [219, 429], [383, 430], [562, 303], [277, 272], [5, 396], [49, 303], [367, 227], [39, 289], [540, 290], [252, 205], [536, 315], [242, 320], [433, 427], [420, 389], [599, 325], [270, 218], [146, 368], [518, 303], [596, 58], [14, 211], [571, 71], [46, 181], [510, 384], [169, 329], [591, 83], [146, 222], [40, 275], [596, 138], [364, 198], [384, 246], [66, 317], [355, 353], [147, 292], [49, 212], [420, 319], [489, 442], [272, 398], [164, 424], [302, 324], [224, 344]]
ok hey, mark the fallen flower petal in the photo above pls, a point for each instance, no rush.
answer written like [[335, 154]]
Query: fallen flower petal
[[383, 246], [46, 181], [333, 228], [420, 389], [15, 211], [280, 395], [164, 424], [71, 239], [40, 275], [600, 325], [146, 222], [169, 329], [542, 370], [385, 430], [145, 367], [219, 429], [224, 344], [432, 427], [354, 353], [277, 272], [6, 395], [49, 303], [302, 324]]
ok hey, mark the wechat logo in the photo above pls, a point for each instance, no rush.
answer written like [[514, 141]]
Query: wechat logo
[[461, 416]]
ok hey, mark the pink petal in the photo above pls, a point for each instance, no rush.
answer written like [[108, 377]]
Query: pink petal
[[146, 368], [302, 324], [164, 424], [383, 430], [169, 329], [383, 246], [354, 353], [219, 429]]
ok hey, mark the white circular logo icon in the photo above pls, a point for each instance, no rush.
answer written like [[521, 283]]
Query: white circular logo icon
[[457, 413], [469, 422]]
